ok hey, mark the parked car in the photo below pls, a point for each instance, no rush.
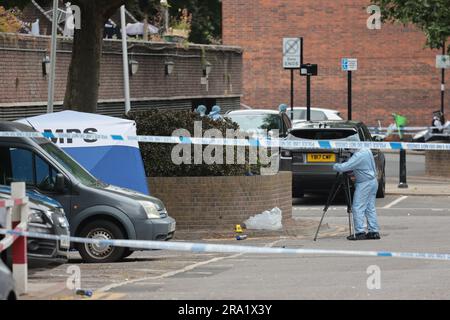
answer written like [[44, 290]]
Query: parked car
[[6, 283], [261, 121], [317, 114], [94, 209], [312, 169], [46, 216]]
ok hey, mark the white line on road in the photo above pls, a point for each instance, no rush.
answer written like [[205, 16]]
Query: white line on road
[[175, 272], [393, 203]]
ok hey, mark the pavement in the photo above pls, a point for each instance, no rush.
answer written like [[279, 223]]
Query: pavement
[[411, 221]]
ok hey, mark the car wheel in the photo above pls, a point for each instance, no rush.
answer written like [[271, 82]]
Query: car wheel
[[102, 230], [382, 186]]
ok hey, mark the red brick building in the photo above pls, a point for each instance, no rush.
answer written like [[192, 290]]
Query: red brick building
[[396, 73]]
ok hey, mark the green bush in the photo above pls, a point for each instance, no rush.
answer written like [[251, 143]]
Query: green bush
[[157, 157]]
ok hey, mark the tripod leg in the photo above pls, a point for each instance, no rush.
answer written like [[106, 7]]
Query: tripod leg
[[334, 191], [348, 199]]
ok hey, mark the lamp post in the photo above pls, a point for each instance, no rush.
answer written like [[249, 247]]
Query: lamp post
[[51, 79]]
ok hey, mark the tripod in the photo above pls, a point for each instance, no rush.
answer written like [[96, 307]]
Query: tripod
[[342, 181]]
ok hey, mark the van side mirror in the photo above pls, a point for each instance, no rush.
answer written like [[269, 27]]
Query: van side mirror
[[60, 183]]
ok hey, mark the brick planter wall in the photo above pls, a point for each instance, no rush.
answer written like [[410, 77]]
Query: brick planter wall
[[218, 203], [437, 163]]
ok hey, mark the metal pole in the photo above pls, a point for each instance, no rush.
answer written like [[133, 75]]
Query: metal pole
[[349, 80], [51, 79], [403, 184], [443, 82], [126, 74], [292, 94], [308, 98]]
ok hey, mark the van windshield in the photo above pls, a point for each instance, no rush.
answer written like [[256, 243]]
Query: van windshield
[[70, 165]]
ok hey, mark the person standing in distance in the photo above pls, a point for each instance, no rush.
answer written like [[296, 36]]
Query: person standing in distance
[[364, 169]]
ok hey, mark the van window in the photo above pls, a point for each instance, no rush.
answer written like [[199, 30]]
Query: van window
[[23, 165]]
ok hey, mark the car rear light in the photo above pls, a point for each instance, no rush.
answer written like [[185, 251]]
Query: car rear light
[[286, 154]]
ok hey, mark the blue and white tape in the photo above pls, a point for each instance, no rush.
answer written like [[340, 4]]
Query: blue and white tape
[[259, 142], [218, 248]]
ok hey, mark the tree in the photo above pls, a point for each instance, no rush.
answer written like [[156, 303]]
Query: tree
[[206, 19], [8, 21], [84, 72], [431, 16]]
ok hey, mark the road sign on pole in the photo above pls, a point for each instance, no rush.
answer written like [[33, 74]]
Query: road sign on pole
[[349, 64], [292, 53], [443, 61]]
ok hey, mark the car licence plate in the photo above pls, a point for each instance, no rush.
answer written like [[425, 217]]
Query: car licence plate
[[64, 243], [172, 227], [321, 157]]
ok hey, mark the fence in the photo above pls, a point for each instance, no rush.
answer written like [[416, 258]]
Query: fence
[[15, 212]]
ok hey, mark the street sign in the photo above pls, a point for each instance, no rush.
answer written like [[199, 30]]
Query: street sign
[[292, 52], [309, 70], [349, 64], [443, 61]]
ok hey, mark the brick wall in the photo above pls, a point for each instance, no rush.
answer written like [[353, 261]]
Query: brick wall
[[216, 203], [24, 87], [396, 73], [437, 163]]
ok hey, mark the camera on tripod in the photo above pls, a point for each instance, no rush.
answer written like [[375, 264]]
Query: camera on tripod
[[343, 182]]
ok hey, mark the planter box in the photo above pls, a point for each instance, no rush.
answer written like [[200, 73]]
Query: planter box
[[217, 203], [437, 163]]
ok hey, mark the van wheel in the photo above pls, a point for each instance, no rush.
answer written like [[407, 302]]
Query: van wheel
[[101, 230]]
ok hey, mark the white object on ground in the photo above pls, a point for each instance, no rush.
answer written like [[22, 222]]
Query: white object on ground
[[268, 220]]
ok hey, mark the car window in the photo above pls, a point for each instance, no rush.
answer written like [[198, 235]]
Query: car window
[[326, 134], [316, 115], [248, 122]]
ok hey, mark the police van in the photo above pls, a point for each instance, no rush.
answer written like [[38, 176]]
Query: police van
[[94, 209]]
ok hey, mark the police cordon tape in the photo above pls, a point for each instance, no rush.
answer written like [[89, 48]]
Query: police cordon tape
[[220, 248], [252, 142]]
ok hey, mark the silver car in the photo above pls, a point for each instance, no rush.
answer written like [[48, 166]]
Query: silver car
[[6, 283]]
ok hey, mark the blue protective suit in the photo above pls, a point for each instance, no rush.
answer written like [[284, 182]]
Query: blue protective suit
[[363, 166]]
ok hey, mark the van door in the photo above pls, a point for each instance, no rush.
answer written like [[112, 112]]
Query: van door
[[21, 164]]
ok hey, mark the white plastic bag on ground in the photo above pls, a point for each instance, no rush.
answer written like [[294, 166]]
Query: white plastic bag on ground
[[268, 220]]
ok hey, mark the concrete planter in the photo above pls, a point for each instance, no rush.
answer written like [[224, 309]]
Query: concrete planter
[[217, 203], [437, 163]]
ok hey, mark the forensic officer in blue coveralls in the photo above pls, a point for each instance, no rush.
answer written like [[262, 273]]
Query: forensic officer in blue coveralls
[[363, 166]]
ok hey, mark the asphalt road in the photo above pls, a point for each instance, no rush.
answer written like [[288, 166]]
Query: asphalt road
[[413, 224], [409, 224]]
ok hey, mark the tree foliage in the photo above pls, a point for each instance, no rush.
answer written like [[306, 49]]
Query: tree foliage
[[431, 16], [206, 19], [8, 21]]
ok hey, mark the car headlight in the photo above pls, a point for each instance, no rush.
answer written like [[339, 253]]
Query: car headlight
[[150, 209], [36, 216], [63, 223], [40, 217]]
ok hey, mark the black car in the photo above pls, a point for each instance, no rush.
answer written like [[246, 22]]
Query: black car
[[312, 170], [46, 216]]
